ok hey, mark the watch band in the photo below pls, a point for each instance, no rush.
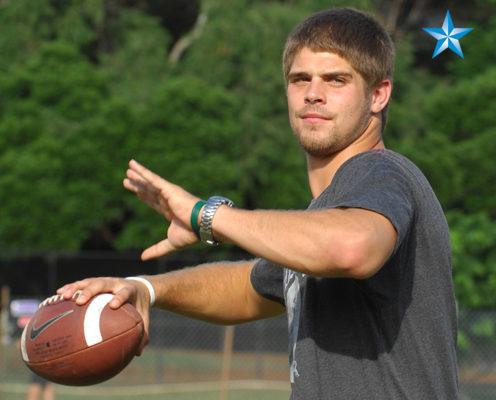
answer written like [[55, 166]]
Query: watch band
[[209, 210]]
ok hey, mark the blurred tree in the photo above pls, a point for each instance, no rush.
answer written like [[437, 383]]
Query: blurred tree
[[138, 60], [474, 257], [478, 48], [58, 151], [188, 135], [24, 26], [194, 89], [446, 125]]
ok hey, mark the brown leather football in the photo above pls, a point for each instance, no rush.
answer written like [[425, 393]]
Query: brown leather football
[[81, 345]]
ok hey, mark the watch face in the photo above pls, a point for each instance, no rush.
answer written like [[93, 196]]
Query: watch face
[[219, 200]]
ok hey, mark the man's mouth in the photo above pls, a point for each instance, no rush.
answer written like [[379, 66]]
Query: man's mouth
[[314, 117]]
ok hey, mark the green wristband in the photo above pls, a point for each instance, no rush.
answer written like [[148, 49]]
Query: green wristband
[[194, 216]]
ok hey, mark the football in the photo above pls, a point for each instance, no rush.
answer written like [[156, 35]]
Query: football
[[81, 345]]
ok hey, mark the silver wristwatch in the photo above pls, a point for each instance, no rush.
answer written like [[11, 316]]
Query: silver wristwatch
[[209, 210]]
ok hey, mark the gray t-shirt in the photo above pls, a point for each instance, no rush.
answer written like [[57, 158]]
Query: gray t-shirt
[[391, 336]]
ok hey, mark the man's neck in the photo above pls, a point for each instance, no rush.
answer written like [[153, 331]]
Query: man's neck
[[321, 171]]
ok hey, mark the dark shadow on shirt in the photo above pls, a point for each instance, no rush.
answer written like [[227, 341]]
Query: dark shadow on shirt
[[360, 318]]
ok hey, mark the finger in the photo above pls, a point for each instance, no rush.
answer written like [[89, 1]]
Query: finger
[[158, 250], [138, 183], [141, 184], [149, 198], [69, 290], [130, 185], [152, 202], [140, 190], [91, 288], [153, 199], [94, 286], [62, 289], [121, 297], [135, 176], [83, 291], [150, 176]]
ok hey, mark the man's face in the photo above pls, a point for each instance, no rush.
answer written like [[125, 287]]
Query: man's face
[[329, 105]]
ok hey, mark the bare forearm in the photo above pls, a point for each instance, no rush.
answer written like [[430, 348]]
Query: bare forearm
[[329, 243], [218, 292], [351, 242]]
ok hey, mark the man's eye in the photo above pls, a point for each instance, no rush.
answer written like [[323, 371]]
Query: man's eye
[[299, 79], [337, 81]]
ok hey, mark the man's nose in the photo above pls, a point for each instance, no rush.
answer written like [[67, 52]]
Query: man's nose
[[315, 92]]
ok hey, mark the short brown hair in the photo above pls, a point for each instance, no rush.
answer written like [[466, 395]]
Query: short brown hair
[[352, 35]]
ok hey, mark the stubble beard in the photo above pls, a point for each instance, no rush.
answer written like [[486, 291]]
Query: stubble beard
[[322, 147], [333, 141]]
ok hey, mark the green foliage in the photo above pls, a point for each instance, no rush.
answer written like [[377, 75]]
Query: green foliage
[[85, 86], [138, 59], [25, 25], [408, 99], [237, 56], [52, 138], [456, 152], [477, 329], [478, 48], [463, 106], [190, 140], [474, 257], [79, 21]]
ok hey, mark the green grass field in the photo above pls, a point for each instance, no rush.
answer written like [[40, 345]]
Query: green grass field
[[233, 395], [166, 374]]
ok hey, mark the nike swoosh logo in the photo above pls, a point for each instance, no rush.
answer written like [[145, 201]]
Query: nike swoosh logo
[[35, 332]]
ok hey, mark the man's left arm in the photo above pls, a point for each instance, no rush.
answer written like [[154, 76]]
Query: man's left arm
[[338, 242]]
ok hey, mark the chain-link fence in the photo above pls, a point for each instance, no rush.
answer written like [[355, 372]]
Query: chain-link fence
[[189, 356], [186, 357], [477, 354]]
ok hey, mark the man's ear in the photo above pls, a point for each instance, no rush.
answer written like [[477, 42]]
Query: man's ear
[[380, 95]]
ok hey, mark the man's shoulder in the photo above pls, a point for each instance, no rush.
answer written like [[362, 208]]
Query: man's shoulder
[[375, 174], [381, 157], [385, 162]]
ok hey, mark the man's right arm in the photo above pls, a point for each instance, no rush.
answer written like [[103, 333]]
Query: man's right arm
[[218, 292]]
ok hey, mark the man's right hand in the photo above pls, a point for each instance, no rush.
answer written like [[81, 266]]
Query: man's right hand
[[124, 291]]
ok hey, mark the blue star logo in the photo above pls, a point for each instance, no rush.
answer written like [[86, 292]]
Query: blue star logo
[[448, 36]]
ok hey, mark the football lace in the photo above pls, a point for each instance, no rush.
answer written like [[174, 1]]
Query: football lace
[[56, 298]]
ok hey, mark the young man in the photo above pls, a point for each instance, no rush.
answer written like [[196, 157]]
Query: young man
[[364, 274]]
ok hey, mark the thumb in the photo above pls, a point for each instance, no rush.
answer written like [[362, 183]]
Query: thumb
[[157, 250]]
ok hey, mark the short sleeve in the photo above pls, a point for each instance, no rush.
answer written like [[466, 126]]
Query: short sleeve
[[375, 182], [267, 280]]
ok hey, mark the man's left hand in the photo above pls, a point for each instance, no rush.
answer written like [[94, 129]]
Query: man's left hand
[[170, 200]]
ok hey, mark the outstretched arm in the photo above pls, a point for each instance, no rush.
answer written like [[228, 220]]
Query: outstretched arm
[[219, 292], [350, 242]]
